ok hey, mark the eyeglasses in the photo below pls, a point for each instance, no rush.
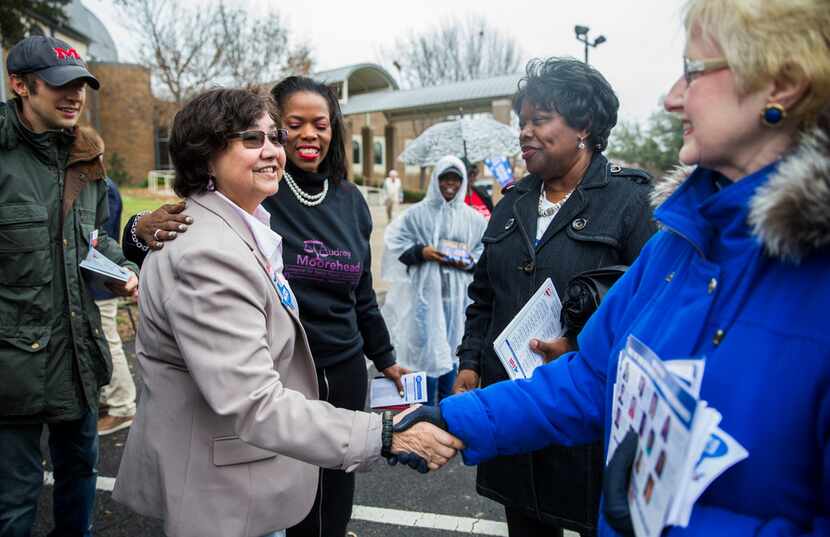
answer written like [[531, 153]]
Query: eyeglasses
[[692, 69], [256, 139]]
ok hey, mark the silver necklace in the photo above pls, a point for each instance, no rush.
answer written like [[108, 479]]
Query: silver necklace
[[309, 200], [554, 208]]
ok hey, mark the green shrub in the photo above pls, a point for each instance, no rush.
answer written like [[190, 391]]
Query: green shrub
[[116, 170], [413, 196]]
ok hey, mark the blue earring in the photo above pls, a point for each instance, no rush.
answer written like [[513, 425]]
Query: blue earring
[[773, 114]]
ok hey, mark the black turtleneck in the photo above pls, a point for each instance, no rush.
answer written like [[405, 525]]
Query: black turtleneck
[[311, 183]]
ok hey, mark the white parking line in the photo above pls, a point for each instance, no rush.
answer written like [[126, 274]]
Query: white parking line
[[382, 515], [414, 519]]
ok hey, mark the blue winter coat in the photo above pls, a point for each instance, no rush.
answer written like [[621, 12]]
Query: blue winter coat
[[707, 286]]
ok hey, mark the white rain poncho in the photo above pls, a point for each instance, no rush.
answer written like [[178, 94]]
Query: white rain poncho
[[425, 306]]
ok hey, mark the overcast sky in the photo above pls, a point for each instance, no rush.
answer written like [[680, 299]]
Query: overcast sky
[[641, 58]]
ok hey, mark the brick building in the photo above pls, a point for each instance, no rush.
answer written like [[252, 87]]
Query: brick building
[[381, 119], [124, 111]]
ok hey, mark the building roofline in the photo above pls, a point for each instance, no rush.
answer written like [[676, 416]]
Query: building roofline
[[441, 96], [56, 26], [343, 73]]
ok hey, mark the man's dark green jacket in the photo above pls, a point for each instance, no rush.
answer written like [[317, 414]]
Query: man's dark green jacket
[[53, 354]]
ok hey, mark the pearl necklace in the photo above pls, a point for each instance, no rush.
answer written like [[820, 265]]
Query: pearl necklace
[[554, 208], [309, 200]]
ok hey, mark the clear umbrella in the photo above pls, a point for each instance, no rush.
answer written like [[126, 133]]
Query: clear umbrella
[[475, 139]]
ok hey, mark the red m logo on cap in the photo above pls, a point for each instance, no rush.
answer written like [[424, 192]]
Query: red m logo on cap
[[64, 53]]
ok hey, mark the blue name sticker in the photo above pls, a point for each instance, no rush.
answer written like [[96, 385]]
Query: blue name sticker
[[285, 295], [283, 290]]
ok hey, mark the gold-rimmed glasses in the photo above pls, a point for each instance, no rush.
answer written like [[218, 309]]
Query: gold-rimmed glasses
[[692, 69], [256, 139]]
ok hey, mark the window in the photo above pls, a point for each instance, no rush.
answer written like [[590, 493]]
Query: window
[[356, 153], [377, 149], [379, 155], [162, 149]]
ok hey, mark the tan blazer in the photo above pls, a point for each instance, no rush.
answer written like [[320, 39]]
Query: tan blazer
[[229, 408]]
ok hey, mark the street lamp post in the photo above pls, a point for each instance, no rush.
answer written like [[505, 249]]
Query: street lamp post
[[582, 35]]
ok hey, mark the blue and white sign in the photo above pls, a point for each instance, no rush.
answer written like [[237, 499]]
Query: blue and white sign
[[500, 169]]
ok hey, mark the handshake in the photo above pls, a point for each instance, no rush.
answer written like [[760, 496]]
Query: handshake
[[421, 441]]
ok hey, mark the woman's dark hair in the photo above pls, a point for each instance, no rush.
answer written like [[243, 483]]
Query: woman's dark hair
[[200, 131], [574, 90], [334, 165]]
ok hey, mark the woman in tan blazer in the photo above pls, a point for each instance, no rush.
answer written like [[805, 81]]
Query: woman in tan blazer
[[228, 434]]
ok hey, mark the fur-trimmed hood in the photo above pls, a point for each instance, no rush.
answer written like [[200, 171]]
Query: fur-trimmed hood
[[790, 214]]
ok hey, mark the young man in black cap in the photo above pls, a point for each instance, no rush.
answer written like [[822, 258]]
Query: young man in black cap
[[53, 354]]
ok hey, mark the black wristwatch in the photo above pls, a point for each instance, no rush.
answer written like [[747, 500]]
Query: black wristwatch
[[386, 434]]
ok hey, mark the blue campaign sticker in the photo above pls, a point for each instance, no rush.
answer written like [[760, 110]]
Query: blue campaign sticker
[[715, 447], [283, 290], [285, 295]]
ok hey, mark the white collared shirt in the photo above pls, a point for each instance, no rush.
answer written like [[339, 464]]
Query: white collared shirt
[[268, 241]]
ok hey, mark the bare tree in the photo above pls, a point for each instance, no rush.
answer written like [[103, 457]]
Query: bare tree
[[300, 61], [190, 49], [453, 51]]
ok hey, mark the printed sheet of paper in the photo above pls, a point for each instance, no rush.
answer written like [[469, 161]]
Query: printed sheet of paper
[[689, 371], [680, 450], [539, 318], [721, 453], [454, 251], [103, 268], [651, 401], [384, 393]]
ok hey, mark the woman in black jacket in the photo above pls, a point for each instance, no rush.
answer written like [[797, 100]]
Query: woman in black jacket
[[574, 212], [325, 225]]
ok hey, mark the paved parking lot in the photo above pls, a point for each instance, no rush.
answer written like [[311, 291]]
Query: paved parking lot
[[388, 501]]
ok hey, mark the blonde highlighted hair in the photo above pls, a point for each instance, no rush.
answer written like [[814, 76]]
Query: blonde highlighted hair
[[764, 40]]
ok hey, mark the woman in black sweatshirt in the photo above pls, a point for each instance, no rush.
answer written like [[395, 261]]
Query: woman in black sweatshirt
[[325, 225]]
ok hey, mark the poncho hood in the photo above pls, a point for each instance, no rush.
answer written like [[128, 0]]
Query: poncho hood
[[448, 163]]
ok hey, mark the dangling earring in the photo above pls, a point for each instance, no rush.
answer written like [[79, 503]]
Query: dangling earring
[[581, 144], [772, 114], [211, 186]]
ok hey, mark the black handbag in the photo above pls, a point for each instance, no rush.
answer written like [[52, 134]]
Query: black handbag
[[584, 294]]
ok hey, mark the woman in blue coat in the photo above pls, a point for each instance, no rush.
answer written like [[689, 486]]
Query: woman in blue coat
[[739, 273]]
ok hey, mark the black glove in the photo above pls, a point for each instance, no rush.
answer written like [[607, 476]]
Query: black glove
[[615, 484], [412, 460], [430, 414]]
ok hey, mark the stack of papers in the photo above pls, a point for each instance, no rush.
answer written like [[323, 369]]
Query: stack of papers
[[454, 251], [383, 392], [540, 319], [681, 449], [99, 266]]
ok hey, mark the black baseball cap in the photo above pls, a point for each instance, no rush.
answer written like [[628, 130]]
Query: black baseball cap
[[452, 169], [54, 61]]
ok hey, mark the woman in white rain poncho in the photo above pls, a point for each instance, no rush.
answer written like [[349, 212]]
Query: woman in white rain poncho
[[424, 308]]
